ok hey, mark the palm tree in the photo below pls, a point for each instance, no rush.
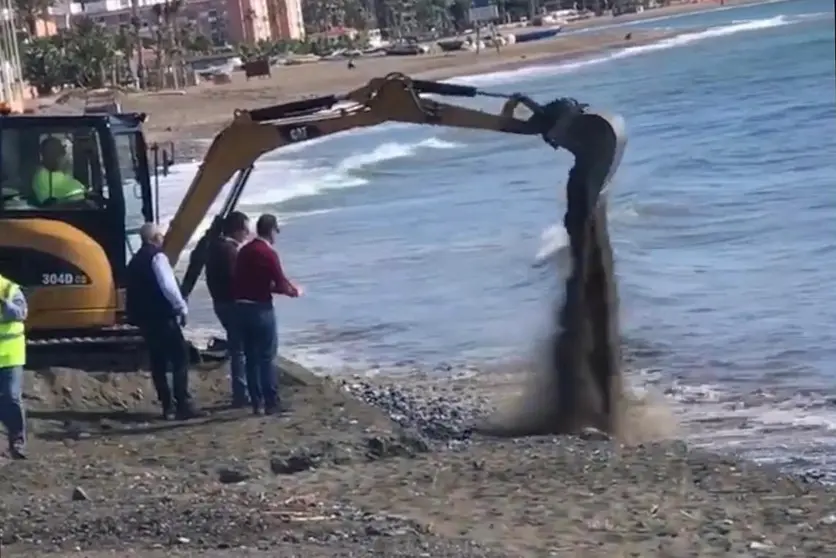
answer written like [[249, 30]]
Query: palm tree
[[167, 35], [136, 26], [171, 14]]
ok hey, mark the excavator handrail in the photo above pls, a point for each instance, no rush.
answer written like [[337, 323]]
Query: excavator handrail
[[392, 98]]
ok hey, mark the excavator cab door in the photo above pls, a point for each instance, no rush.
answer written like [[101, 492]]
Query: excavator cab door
[[135, 182]]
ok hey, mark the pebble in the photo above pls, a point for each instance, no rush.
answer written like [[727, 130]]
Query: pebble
[[228, 475], [292, 465], [79, 495], [436, 418]]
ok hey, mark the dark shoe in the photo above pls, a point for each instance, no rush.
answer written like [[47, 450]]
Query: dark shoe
[[168, 410], [240, 404], [257, 411], [189, 413], [277, 409], [17, 453]]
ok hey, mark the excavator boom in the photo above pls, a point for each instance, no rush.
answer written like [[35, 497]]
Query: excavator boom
[[585, 368], [394, 98]]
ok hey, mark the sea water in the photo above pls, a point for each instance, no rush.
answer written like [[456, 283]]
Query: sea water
[[421, 244]]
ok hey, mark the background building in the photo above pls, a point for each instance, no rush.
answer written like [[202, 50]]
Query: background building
[[221, 21]]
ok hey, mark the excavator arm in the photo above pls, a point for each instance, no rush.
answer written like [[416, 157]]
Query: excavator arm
[[585, 387], [252, 133]]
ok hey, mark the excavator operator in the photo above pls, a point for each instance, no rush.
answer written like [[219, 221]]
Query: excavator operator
[[51, 185]]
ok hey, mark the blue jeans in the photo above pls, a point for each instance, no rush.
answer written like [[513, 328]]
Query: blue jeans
[[260, 340], [228, 315], [12, 414]]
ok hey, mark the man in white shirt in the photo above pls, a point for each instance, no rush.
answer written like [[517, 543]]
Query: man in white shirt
[[155, 305]]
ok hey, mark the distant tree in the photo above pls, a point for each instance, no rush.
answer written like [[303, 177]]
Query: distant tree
[[84, 56], [92, 50], [458, 10], [166, 33], [192, 41], [43, 63]]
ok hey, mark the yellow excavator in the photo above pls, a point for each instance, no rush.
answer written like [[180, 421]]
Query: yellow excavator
[[71, 257]]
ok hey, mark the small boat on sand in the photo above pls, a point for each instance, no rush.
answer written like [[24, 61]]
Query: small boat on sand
[[405, 49], [537, 35], [451, 45]]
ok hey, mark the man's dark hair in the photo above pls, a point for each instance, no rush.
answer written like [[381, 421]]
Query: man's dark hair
[[235, 222], [266, 224]]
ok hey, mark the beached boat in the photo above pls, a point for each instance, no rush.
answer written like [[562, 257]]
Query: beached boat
[[451, 45], [405, 49], [537, 35]]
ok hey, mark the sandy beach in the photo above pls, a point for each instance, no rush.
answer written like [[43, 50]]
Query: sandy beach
[[202, 111], [374, 468]]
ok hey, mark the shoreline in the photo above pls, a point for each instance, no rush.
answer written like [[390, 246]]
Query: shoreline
[[200, 112], [373, 468], [178, 120]]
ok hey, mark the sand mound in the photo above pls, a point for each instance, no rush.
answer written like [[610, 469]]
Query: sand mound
[[70, 388]]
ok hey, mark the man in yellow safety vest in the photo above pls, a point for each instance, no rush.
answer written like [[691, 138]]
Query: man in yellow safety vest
[[13, 310], [51, 184]]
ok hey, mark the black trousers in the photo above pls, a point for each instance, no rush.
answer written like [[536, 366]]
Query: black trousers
[[168, 352]]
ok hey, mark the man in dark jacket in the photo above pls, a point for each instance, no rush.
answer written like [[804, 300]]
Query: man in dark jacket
[[220, 264], [154, 304]]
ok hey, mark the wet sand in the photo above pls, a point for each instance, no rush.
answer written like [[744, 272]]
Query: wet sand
[[374, 468]]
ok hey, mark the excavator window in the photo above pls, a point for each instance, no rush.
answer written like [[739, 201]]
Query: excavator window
[[50, 167]]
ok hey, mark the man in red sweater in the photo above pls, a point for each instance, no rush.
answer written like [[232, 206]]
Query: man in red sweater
[[257, 276]]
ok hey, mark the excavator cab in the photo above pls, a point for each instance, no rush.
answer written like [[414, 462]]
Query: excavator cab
[[70, 253]]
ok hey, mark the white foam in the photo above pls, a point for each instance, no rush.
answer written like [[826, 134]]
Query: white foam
[[497, 78], [280, 178], [554, 241], [683, 15]]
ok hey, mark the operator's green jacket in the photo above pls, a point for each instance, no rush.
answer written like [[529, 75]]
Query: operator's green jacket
[[57, 185], [13, 311]]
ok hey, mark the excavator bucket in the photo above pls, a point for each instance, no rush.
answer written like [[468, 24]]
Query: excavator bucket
[[582, 386]]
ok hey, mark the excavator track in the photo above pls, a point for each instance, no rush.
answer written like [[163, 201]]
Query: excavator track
[[107, 337], [116, 349]]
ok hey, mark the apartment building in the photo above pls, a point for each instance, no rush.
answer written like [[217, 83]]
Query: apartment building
[[286, 20], [222, 21]]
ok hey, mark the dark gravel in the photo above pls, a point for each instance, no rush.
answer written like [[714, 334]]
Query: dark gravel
[[440, 418], [339, 477]]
